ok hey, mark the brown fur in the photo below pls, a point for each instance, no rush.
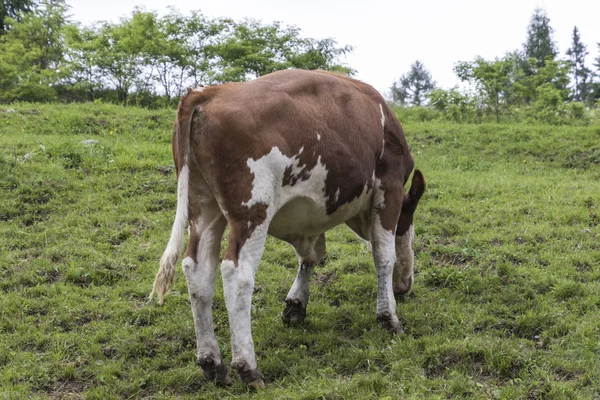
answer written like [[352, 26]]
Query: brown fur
[[219, 128], [409, 203]]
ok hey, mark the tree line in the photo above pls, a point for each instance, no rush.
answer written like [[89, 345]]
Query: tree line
[[531, 83], [149, 60], [144, 59]]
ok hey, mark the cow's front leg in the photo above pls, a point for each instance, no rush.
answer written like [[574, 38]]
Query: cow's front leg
[[238, 273], [384, 257], [309, 251], [199, 266]]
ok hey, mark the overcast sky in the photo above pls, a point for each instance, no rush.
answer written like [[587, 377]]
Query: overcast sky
[[388, 36]]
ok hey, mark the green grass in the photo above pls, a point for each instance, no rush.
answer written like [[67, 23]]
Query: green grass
[[506, 301]]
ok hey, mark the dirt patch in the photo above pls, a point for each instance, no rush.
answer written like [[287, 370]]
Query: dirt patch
[[68, 390], [454, 259], [324, 279]]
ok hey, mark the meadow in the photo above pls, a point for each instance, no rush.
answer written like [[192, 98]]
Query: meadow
[[505, 305]]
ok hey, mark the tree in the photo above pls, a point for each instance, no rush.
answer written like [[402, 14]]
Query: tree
[[491, 79], [167, 52], [43, 56], [539, 43], [84, 45], [33, 53], [321, 54], [250, 49], [594, 87], [580, 73], [412, 88], [120, 53], [524, 87], [14, 10]]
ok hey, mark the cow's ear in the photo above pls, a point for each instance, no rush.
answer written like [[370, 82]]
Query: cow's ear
[[417, 188]]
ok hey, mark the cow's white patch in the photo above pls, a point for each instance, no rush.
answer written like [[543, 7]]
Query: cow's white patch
[[268, 186], [382, 126], [300, 209], [405, 259], [318, 137], [268, 176]]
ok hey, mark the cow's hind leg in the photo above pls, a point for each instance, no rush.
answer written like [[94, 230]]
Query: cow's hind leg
[[207, 225], [384, 256], [237, 270], [309, 250]]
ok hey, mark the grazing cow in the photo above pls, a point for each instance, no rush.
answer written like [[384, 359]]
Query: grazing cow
[[291, 154]]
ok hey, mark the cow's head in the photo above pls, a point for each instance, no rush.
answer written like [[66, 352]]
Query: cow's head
[[405, 236]]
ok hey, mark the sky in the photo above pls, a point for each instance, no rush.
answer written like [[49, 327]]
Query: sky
[[388, 36]]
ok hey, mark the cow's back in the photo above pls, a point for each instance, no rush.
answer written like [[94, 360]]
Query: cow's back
[[311, 139]]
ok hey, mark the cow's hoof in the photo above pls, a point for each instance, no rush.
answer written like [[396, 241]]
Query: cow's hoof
[[251, 377], [293, 313], [402, 288], [215, 372], [390, 323]]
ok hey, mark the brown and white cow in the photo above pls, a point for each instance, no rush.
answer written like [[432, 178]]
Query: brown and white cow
[[291, 154]]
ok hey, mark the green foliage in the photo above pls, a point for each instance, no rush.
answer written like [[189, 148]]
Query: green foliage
[[505, 303], [145, 56], [454, 105], [576, 111], [32, 62], [549, 106], [552, 73], [253, 49], [526, 86], [416, 114], [491, 78], [13, 10], [413, 87]]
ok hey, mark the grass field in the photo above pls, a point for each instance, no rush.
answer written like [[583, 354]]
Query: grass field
[[506, 301]]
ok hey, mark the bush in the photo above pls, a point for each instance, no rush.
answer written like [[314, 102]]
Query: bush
[[549, 106], [453, 105], [415, 114]]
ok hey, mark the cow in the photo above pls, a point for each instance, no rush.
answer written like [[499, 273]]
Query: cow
[[291, 154]]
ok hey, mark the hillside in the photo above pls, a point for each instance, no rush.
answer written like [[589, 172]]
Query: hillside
[[505, 305]]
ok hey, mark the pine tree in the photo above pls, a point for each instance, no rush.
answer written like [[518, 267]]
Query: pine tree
[[539, 44], [412, 87], [579, 72], [598, 59], [594, 94]]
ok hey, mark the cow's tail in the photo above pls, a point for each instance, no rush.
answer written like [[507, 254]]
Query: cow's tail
[[182, 156]]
